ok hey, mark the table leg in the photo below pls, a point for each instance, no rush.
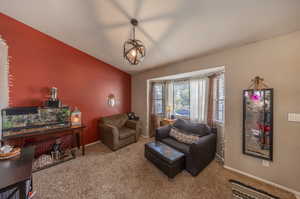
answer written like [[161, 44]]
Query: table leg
[[82, 142], [22, 190], [78, 140]]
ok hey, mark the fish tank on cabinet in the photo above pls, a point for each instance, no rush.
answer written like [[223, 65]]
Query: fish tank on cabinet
[[22, 120]]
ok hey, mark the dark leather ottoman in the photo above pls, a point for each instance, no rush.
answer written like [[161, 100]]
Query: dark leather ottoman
[[167, 159]]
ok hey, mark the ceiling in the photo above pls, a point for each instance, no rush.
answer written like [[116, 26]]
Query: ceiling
[[198, 73], [172, 30]]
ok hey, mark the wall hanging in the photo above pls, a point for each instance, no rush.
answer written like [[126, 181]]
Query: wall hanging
[[111, 100], [258, 120]]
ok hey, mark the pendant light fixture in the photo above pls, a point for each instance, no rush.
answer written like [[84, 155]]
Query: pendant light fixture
[[134, 50]]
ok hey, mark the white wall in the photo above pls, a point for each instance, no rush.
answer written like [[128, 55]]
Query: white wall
[[277, 60], [3, 78]]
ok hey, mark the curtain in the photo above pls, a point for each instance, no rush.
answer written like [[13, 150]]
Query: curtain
[[168, 93], [3, 79], [211, 104], [199, 99]]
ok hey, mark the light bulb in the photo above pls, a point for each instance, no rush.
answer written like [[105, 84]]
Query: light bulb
[[133, 52]]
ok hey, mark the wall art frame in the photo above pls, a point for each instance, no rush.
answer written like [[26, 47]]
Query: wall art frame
[[258, 123]]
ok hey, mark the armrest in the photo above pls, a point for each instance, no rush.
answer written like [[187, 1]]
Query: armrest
[[214, 130], [162, 132], [132, 124], [201, 154], [108, 130], [205, 147]]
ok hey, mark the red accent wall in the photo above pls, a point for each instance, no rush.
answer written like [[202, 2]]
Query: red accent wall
[[38, 62]]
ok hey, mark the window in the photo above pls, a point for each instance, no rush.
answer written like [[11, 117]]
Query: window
[[185, 99], [219, 99], [157, 99], [3, 78], [181, 99]]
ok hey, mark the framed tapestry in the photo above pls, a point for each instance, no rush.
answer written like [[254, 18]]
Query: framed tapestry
[[258, 123]]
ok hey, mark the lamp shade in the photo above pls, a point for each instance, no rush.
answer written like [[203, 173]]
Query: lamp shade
[[111, 100], [134, 51]]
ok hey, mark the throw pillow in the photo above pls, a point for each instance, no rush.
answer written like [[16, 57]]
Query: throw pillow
[[183, 137]]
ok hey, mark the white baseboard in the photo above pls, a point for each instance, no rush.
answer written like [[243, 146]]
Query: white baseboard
[[296, 193], [145, 136]]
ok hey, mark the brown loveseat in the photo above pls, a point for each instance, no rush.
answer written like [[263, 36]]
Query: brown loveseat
[[117, 131]]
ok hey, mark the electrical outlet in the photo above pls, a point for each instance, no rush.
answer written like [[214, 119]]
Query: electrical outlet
[[266, 163]]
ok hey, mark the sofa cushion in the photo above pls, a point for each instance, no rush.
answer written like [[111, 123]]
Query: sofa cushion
[[125, 132], [183, 137], [185, 148], [192, 127]]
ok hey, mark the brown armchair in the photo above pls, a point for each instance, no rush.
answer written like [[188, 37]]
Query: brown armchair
[[117, 131]]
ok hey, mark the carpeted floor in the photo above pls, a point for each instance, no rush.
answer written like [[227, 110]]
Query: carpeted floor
[[126, 174]]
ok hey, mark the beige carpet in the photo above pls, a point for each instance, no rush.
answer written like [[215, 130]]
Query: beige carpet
[[126, 174]]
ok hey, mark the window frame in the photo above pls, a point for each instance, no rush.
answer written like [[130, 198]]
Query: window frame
[[4, 78]]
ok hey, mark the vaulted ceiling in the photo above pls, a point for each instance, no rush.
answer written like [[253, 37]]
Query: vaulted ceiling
[[172, 30]]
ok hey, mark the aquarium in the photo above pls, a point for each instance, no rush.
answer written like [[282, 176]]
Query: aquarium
[[25, 119]]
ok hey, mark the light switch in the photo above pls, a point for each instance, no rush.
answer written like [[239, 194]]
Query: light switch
[[291, 117], [266, 163], [294, 117]]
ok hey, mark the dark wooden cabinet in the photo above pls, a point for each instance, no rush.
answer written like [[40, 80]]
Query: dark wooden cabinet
[[16, 173]]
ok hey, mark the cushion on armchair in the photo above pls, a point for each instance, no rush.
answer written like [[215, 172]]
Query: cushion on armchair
[[185, 148], [126, 132], [192, 127], [183, 137], [116, 120]]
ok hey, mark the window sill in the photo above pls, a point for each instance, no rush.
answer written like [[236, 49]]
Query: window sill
[[219, 123]]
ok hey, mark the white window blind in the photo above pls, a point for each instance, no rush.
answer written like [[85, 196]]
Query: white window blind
[[219, 96]]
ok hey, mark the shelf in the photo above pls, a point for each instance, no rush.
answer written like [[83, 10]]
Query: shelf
[[54, 163]]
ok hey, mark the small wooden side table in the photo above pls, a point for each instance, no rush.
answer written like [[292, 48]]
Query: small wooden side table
[[79, 132], [165, 122]]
